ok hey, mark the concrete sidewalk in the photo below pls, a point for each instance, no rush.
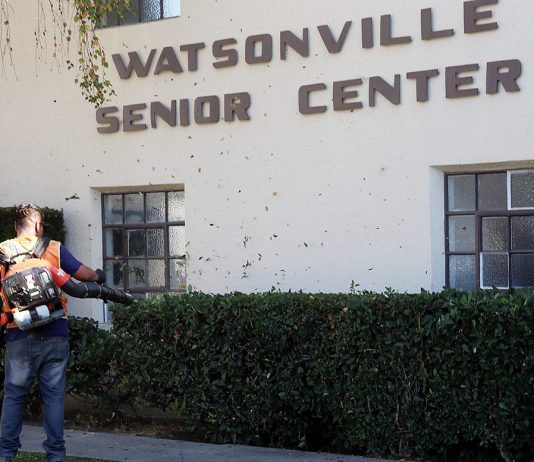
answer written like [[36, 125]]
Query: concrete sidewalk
[[129, 448]]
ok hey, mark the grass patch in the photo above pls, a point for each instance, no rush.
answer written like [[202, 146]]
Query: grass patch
[[35, 457]]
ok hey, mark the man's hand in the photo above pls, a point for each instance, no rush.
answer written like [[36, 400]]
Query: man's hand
[[101, 276]]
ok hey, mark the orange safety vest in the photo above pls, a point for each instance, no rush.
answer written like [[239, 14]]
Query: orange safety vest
[[50, 257]]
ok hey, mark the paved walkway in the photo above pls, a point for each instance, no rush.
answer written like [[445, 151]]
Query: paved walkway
[[129, 448]]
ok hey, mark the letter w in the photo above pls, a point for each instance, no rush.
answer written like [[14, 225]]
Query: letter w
[[135, 64]]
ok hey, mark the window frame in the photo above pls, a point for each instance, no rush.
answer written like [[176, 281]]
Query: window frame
[[125, 227], [478, 216], [118, 22]]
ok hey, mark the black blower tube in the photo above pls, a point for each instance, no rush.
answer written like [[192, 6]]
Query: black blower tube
[[95, 290]]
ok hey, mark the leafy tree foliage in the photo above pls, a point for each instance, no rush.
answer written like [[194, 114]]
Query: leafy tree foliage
[[66, 22]]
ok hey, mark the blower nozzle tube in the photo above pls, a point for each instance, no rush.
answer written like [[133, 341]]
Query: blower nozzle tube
[[95, 290]]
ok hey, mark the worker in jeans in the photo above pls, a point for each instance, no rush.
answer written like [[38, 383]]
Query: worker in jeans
[[41, 352]]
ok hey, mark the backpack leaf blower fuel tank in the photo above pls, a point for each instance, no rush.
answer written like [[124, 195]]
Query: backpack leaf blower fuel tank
[[32, 297]]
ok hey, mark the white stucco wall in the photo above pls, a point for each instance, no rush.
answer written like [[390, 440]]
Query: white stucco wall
[[311, 202]]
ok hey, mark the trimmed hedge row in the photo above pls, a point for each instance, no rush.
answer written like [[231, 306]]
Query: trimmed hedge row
[[428, 375]]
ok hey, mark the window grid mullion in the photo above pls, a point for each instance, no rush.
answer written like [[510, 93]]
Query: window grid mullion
[[509, 205], [166, 243], [509, 252], [125, 251], [446, 226], [145, 218], [478, 237], [478, 249]]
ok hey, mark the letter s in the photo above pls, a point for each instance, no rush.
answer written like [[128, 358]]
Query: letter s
[[112, 122]]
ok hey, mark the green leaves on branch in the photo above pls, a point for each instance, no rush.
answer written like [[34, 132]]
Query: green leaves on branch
[[92, 63]]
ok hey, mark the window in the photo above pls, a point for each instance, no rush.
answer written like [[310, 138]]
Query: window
[[144, 241], [489, 230], [143, 11]]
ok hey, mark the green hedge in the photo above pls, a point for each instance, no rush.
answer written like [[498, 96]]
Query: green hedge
[[427, 375]]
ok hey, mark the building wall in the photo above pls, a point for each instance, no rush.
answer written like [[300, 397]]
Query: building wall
[[286, 200]]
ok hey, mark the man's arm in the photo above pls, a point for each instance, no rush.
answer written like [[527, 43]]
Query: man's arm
[[77, 269], [84, 273], [87, 288]]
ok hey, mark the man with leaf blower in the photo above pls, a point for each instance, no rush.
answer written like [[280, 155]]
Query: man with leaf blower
[[34, 271]]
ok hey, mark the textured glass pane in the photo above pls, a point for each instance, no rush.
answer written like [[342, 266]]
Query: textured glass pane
[[177, 241], [177, 274], [136, 243], [462, 234], [494, 270], [462, 272], [155, 273], [137, 273], [131, 16], [114, 273], [133, 208], [523, 270], [495, 234], [176, 206], [150, 10], [112, 242], [492, 191], [112, 209], [155, 207], [522, 233], [461, 192], [155, 242], [171, 8], [522, 189], [146, 273]]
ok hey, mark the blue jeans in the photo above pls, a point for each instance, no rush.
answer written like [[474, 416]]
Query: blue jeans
[[45, 358]]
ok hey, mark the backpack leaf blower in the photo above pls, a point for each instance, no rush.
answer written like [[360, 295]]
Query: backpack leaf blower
[[31, 294]]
